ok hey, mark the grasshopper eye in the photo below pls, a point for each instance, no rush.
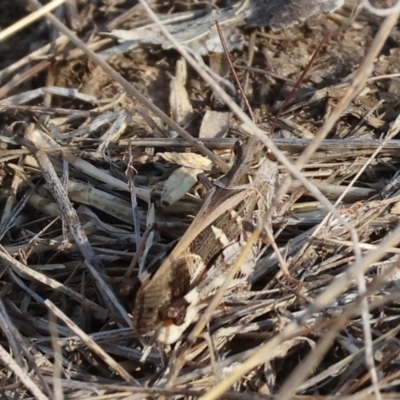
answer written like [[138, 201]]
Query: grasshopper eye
[[271, 156], [267, 153]]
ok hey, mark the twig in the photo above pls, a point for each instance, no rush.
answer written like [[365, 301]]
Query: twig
[[394, 129], [364, 246], [130, 173], [263, 353], [295, 170], [132, 91], [139, 250], [29, 19], [381, 12], [232, 68], [58, 392], [288, 389], [28, 273], [13, 68], [292, 145], [300, 80], [71, 219], [352, 91], [91, 344], [216, 300], [7, 360], [8, 329]]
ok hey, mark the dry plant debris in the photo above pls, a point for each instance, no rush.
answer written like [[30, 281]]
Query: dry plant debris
[[97, 185]]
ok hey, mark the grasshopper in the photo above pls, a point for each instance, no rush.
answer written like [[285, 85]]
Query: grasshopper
[[169, 301]]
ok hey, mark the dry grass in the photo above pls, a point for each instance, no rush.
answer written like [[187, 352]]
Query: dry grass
[[90, 159]]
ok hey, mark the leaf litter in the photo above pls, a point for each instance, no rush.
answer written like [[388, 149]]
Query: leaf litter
[[97, 186]]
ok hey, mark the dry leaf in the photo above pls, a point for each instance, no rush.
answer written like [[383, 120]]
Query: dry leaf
[[191, 160], [178, 184], [181, 108], [215, 124]]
